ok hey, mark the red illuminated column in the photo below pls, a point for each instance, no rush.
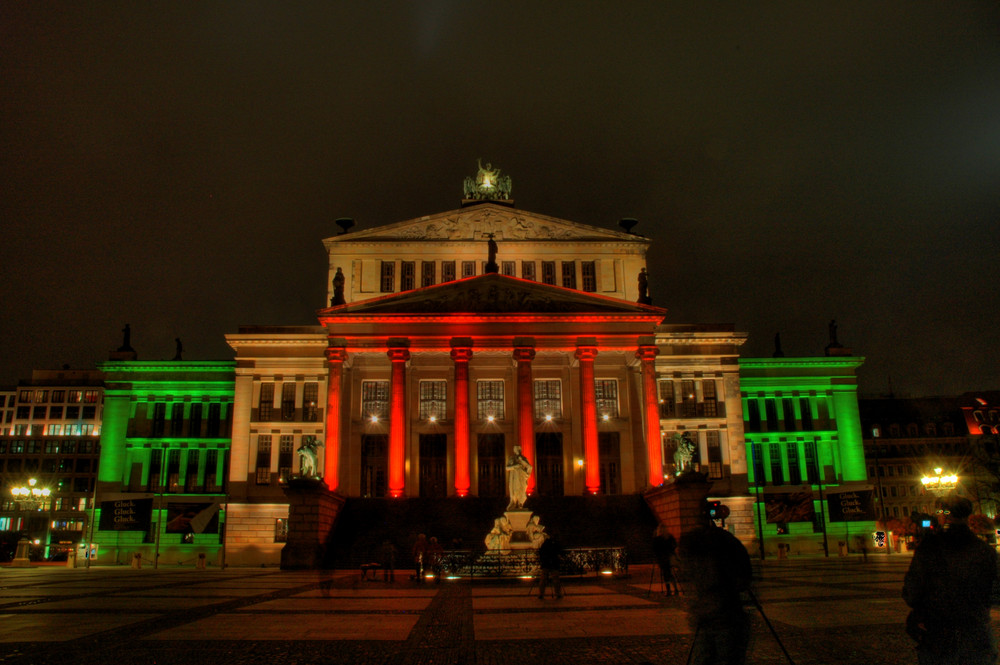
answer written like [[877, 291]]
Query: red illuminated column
[[592, 471], [335, 362], [461, 356], [397, 422], [654, 457], [525, 416]]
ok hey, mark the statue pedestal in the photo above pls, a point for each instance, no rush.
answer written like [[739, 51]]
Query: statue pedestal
[[21, 557], [312, 509], [518, 519]]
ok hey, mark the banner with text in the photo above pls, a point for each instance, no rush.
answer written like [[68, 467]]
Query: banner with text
[[126, 515], [850, 506]]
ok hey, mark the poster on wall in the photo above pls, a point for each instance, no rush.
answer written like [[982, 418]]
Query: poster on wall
[[784, 507], [850, 506], [193, 517], [126, 515]]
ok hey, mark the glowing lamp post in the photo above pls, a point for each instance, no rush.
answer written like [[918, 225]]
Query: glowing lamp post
[[939, 482], [30, 497]]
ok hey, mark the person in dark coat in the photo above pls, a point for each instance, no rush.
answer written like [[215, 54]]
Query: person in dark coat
[[716, 569], [664, 547], [948, 586], [549, 557]]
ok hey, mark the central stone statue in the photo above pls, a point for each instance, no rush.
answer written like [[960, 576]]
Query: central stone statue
[[518, 472]]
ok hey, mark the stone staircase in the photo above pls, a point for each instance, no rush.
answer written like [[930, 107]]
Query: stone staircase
[[580, 521]]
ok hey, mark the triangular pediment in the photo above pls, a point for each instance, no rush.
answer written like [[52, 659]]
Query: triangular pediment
[[493, 294], [478, 221]]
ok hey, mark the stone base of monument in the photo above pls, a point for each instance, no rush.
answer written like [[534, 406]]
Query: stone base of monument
[[519, 538]]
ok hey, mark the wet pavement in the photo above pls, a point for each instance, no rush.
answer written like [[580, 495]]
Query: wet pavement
[[824, 611]]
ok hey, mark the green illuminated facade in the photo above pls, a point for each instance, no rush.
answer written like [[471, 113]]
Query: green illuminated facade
[[166, 437], [804, 447]]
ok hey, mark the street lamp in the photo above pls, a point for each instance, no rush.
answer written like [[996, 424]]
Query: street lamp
[[939, 482], [31, 497]]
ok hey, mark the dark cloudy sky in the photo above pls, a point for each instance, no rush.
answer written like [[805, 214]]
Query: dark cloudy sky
[[176, 165]]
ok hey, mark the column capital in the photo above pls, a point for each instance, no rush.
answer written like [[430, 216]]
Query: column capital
[[586, 352], [399, 354], [525, 353], [645, 352], [461, 354], [335, 354]]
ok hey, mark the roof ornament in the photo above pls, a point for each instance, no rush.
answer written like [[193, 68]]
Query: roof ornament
[[487, 185]]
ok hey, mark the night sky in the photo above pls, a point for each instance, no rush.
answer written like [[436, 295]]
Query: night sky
[[176, 165]]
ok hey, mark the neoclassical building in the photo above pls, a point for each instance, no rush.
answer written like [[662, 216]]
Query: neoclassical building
[[452, 338]]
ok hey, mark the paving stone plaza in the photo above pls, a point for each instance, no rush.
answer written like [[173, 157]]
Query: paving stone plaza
[[837, 610]]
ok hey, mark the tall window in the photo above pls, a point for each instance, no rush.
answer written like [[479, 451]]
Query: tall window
[[265, 405], [433, 400], [310, 402], [90, 396], [788, 412], [753, 415], [408, 277], [714, 454], [689, 403], [194, 421], [286, 446], [214, 420], [288, 401], [794, 470], [489, 396], [606, 392], [264, 459], [771, 410], [155, 468], [388, 277], [528, 270], [468, 268], [588, 271], [212, 470], [710, 401], [159, 418], [548, 272], [447, 271], [174, 471], [375, 400], [176, 419], [666, 399], [548, 399], [191, 471], [777, 473], [427, 273], [569, 274], [508, 268], [812, 467]]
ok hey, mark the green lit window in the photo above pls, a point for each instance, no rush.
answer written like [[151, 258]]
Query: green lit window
[[212, 471], [155, 469], [812, 466], [194, 421], [176, 419], [794, 471], [191, 470], [159, 418], [753, 415], [805, 408], [774, 457], [788, 412], [174, 471], [214, 424], [771, 411]]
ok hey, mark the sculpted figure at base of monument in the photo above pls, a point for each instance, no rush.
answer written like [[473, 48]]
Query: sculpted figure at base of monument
[[518, 472]]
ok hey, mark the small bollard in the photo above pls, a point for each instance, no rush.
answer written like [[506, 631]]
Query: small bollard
[[137, 561], [71, 559], [201, 561]]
